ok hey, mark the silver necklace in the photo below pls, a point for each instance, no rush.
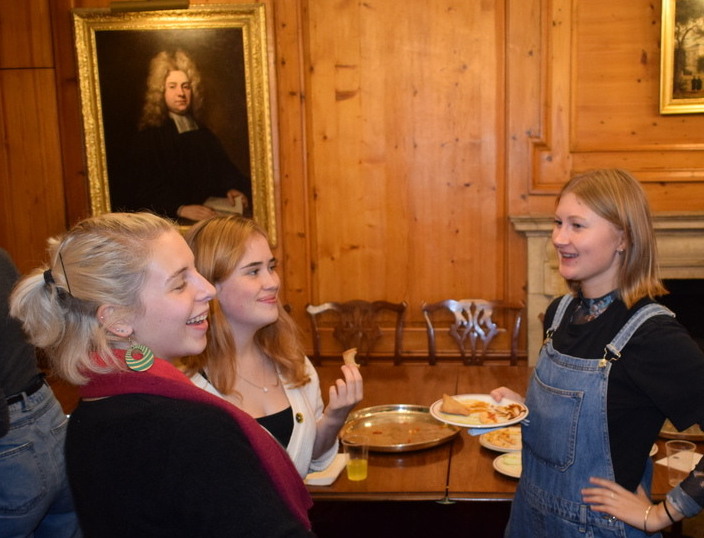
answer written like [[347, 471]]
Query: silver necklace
[[261, 387]]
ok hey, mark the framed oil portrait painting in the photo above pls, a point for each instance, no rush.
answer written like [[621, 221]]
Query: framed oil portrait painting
[[682, 57], [176, 111]]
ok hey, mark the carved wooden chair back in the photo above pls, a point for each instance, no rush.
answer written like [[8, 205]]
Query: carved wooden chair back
[[356, 324], [473, 328]]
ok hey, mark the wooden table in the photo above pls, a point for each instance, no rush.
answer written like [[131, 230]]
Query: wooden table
[[458, 470], [472, 476], [417, 475]]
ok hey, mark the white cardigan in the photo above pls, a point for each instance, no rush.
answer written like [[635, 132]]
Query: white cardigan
[[307, 406]]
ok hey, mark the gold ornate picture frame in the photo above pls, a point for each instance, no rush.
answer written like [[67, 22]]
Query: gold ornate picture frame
[[682, 57], [228, 47]]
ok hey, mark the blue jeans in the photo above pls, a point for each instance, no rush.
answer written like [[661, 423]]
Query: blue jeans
[[35, 499]]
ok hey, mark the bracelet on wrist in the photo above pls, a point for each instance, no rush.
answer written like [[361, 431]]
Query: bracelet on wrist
[[645, 519], [667, 511]]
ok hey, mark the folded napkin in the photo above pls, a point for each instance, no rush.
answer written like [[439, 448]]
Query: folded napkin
[[695, 459], [328, 475], [480, 431]]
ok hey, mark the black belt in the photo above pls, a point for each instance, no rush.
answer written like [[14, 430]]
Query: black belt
[[34, 386]]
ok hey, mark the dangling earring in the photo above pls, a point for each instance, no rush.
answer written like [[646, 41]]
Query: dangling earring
[[142, 363]]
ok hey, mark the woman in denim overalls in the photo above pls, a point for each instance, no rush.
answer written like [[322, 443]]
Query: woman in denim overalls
[[588, 379]]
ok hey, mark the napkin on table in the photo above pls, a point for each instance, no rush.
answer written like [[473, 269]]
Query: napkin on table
[[481, 431], [695, 459], [328, 475]]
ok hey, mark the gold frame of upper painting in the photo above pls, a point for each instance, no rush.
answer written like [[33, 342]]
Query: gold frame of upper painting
[[681, 90], [229, 46]]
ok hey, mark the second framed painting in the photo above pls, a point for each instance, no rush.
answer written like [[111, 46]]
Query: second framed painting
[[176, 112], [682, 61]]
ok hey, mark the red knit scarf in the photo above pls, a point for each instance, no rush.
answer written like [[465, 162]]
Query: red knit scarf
[[163, 379]]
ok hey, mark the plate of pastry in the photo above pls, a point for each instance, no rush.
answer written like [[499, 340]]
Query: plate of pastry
[[502, 440], [478, 411]]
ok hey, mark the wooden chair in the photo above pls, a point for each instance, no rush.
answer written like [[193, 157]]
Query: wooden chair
[[356, 324], [473, 328]]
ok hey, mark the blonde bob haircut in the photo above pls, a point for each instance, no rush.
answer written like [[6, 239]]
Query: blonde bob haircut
[[618, 197], [101, 260], [154, 112], [218, 245]]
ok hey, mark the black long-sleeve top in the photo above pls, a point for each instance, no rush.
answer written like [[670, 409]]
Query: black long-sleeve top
[[145, 465]]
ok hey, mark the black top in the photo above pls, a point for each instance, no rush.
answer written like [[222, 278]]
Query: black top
[[151, 466], [280, 425], [660, 375], [18, 363]]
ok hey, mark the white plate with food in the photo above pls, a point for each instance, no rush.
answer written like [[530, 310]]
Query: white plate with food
[[398, 428], [509, 464], [478, 411], [502, 440]]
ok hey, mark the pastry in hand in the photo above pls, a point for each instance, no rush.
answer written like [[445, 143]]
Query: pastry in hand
[[349, 355]]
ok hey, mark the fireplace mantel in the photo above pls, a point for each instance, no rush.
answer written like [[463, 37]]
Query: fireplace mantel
[[680, 239]]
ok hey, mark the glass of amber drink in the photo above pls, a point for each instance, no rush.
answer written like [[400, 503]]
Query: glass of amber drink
[[357, 451]]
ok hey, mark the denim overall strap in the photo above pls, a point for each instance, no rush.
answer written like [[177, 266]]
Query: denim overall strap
[[566, 440], [624, 335], [560, 312]]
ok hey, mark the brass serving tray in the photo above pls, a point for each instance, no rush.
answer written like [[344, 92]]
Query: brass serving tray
[[693, 433], [398, 428]]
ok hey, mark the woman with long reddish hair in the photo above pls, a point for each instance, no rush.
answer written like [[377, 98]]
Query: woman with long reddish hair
[[254, 357]]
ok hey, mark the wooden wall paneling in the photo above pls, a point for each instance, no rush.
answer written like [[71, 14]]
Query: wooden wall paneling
[[525, 66], [361, 234], [25, 34], [551, 158], [77, 194], [294, 248], [437, 137], [406, 137], [30, 176], [459, 160], [616, 116], [527, 104], [460, 225], [601, 85], [527, 100], [616, 77], [335, 134], [384, 211]]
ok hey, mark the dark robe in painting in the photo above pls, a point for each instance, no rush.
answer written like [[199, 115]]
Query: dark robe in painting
[[165, 170]]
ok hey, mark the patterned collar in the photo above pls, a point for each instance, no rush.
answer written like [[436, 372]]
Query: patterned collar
[[589, 309]]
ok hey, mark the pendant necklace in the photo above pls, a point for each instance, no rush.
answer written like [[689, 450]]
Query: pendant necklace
[[264, 388]]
